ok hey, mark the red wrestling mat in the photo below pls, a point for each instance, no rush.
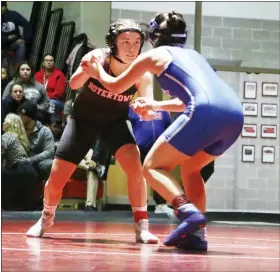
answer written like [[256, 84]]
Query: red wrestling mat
[[89, 246]]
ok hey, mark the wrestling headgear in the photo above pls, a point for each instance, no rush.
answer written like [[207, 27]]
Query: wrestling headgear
[[120, 27], [164, 36]]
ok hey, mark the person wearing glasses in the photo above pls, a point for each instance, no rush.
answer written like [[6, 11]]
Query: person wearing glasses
[[54, 81]]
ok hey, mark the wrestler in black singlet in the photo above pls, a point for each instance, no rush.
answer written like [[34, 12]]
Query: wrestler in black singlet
[[97, 112]]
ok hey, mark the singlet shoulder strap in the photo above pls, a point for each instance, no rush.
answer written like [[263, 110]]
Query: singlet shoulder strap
[[106, 54]]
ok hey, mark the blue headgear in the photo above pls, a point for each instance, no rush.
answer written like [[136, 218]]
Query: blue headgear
[[155, 32]]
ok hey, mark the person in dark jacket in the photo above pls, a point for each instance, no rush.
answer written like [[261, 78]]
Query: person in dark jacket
[[41, 140], [11, 38]]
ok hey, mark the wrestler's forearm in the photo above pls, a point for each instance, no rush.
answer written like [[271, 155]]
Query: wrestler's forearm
[[109, 82], [78, 79]]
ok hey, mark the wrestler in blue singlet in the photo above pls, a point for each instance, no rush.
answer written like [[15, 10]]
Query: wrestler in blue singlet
[[213, 118]]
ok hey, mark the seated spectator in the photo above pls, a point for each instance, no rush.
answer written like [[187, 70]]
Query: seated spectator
[[11, 38], [68, 108], [67, 111], [97, 158], [87, 166], [56, 127], [9, 64], [17, 173], [103, 160], [94, 168], [54, 81], [13, 100], [33, 90], [40, 138], [4, 79]]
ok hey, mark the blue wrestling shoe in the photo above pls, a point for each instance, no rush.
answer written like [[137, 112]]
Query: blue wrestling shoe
[[196, 241], [192, 219]]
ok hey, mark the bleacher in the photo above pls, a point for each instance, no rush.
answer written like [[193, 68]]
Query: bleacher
[[53, 36]]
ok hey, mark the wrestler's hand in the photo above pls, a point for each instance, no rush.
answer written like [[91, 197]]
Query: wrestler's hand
[[90, 66], [140, 109], [146, 103], [87, 60]]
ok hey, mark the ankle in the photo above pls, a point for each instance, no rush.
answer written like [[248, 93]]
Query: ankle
[[179, 201], [49, 210], [139, 213]]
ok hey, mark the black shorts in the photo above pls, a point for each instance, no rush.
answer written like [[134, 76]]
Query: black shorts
[[79, 136]]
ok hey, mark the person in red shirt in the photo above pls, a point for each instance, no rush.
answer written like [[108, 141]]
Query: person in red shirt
[[54, 81]]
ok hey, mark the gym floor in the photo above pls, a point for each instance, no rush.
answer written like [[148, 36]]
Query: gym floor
[[104, 241]]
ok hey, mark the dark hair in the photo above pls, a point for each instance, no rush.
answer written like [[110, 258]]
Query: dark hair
[[12, 86], [43, 59], [56, 119], [17, 75], [47, 54], [168, 29], [122, 25], [29, 109]]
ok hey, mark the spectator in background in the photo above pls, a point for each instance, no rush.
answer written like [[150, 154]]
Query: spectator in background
[[68, 108], [87, 166], [33, 90], [40, 138], [56, 127], [54, 81], [13, 100], [11, 38], [17, 173], [4, 79], [97, 175]]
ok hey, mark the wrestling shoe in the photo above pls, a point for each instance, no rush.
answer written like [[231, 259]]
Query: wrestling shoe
[[142, 233], [196, 241], [192, 219], [38, 230]]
